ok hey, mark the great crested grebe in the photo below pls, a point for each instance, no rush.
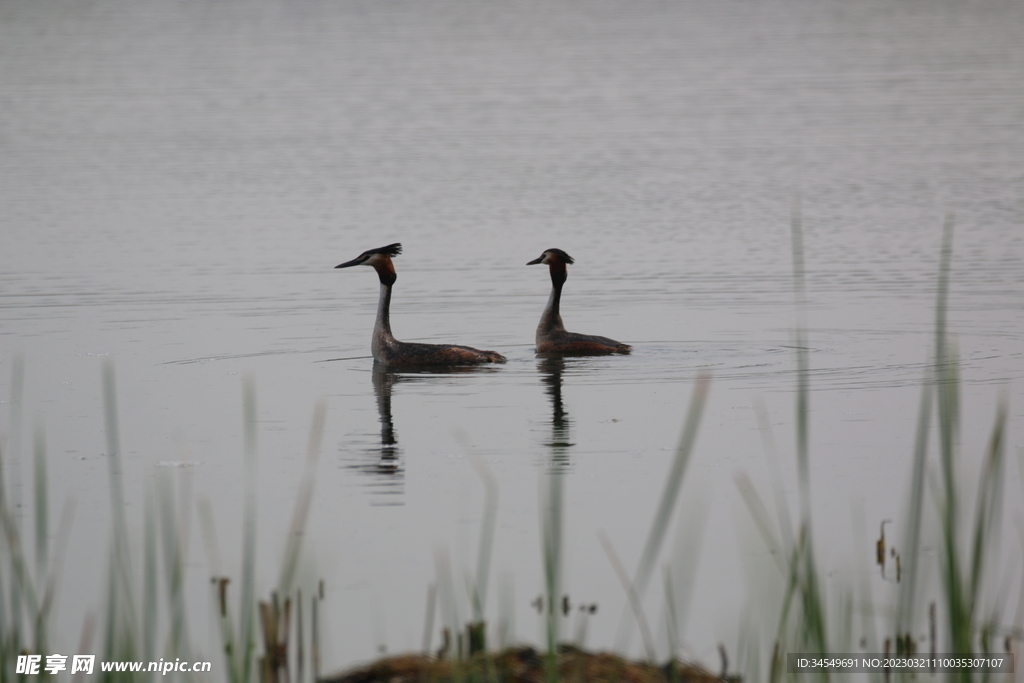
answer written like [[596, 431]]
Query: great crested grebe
[[552, 337], [389, 351]]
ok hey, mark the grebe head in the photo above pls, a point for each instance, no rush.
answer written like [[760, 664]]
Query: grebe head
[[380, 259], [551, 257]]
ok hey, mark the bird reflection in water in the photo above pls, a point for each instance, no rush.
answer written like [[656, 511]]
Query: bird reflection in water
[[551, 369], [384, 463], [383, 381]]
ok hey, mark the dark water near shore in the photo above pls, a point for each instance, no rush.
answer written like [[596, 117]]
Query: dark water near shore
[[178, 180]]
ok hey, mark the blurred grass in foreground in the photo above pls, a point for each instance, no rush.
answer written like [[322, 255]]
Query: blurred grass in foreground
[[809, 620], [136, 625], [815, 623]]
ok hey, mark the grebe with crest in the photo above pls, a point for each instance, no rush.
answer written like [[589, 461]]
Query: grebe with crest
[[389, 351], [552, 337]]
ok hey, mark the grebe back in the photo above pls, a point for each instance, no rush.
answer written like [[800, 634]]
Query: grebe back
[[552, 337], [389, 351]]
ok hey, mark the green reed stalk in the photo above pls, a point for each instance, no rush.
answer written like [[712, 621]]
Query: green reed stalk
[[669, 495], [785, 525], [947, 380], [671, 620], [450, 617], [813, 605], [791, 565], [428, 619], [989, 499], [10, 642], [56, 563], [673, 484], [247, 618], [762, 520], [907, 602], [803, 590], [552, 523], [175, 533], [802, 370], [12, 520], [486, 546], [938, 374], [21, 582], [121, 626], [962, 591], [150, 576], [33, 593], [41, 505], [631, 594], [303, 501], [220, 589]]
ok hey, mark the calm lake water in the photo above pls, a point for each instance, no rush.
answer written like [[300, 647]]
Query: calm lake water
[[177, 181]]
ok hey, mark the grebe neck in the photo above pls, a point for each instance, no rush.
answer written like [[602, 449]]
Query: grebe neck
[[551, 319], [382, 339], [383, 324]]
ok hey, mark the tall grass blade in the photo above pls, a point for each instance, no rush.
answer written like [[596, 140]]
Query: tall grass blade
[[947, 389], [299, 638], [962, 591], [907, 602], [779, 491], [85, 643], [487, 524], [175, 535], [56, 563], [672, 623], [791, 591], [631, 594], [150, 574], [9, 644], [864, 607], [989, 501], [247, 617], [446, 598], [802, 371], [552, 523], [304, 500], [42, 525], [506, 612], [20, 575], [989, 495], [673, 484], [428, 619], [220, 587], [680, 569], [811, 598], [209, 532], [14, 502], [315, 636], [41, 506], [122, 627], [762, 520]]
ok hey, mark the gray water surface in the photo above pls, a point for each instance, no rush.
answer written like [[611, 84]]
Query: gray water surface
[[177, 181]]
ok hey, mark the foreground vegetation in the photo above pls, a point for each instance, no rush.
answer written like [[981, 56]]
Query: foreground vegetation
[[525, 665], [278, 639]]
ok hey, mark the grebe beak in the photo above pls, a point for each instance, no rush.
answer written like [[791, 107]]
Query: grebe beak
[[534, 262], [354, 262]]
